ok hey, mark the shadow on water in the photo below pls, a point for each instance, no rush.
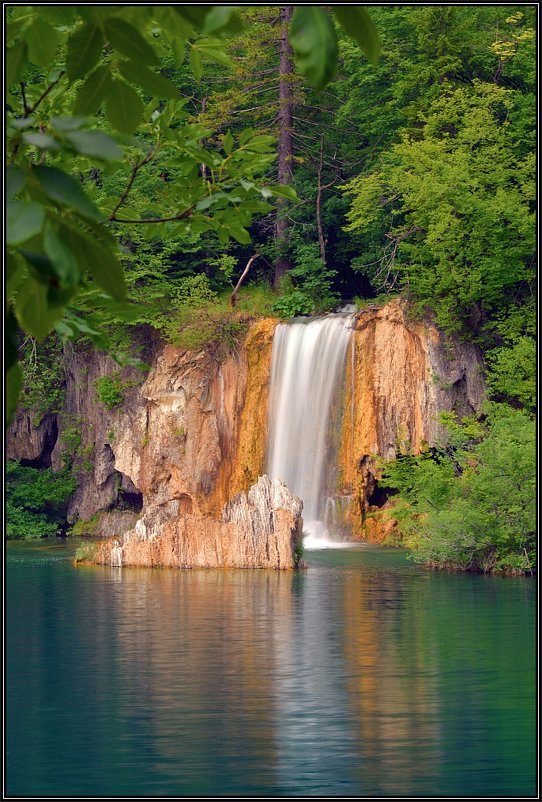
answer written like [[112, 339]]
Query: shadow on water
[[363, 676]]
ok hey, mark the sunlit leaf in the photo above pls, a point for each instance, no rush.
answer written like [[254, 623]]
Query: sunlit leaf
[[228, 143], [44, 141], [222, 18]]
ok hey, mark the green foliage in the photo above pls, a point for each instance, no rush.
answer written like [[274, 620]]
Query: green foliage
[[471, 505], [67, 70], [513, 373], [36, 501], [110, 390], [455, 202], [307, 287], [43, 388], [299, 552]]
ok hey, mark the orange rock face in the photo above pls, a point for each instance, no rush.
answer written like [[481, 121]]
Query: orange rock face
[[400, 376], [258, 529], [194, 433]]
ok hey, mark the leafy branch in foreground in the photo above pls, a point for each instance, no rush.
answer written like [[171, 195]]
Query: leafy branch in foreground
[[86, 94]]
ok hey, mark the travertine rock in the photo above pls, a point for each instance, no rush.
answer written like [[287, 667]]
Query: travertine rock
[[401, 374], [258, 529], [193, 431]]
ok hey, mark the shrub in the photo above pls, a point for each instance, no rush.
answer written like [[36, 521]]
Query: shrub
[[36, 501], [471, 503]]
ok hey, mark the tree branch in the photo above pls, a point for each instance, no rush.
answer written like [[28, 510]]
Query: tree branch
[[135, 169], [44, 94], [181, 216], [233, 296]]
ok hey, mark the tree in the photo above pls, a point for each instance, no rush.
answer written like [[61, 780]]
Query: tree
[[86, 93], [471, 504]]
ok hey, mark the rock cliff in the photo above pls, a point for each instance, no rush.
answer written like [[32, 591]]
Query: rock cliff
[[258, 529], [192, 432], [400, 375]]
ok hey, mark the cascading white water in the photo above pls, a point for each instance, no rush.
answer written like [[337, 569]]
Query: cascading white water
[[307, 376]]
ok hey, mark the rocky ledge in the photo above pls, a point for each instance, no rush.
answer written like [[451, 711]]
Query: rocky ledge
[[258, 529]]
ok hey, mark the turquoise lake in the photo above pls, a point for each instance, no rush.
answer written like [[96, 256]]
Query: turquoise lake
[[365, 675]]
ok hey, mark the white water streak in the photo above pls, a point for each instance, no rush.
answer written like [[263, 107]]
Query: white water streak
[[307, 372]]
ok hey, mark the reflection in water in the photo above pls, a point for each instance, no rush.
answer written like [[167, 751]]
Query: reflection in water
[[361, 676]]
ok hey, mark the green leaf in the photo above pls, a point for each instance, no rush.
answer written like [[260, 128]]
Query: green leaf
[[24, 220], [58, 15], [124, 107], [239, 233], [228, 143], [149, 81], [357, 23], [22, 122], [42, 42], [128, 41], [43, 268], [35, 315], [314, 43], [260, 144], [196, 64], [194, 14], [98, 260], [16, 61], [14, 382], [94, 91], [68, 123], [283, 191], [222, 18], [14, 180], [84, 50], [178, 48], [43, 141], [15, 273], [64, 262], [96, 144], [212, 50], [62, 188]]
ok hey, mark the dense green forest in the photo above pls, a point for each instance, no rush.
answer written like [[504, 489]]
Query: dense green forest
[[156, 152]]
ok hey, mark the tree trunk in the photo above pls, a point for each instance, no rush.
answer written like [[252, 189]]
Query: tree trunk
[[321, 239], [285, 143]]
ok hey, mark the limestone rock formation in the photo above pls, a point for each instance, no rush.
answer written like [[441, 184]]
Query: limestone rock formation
[[192, 431], [258, 529], [401, 374]]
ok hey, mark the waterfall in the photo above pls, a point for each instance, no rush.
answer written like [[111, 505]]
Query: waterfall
[[307, 377]]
